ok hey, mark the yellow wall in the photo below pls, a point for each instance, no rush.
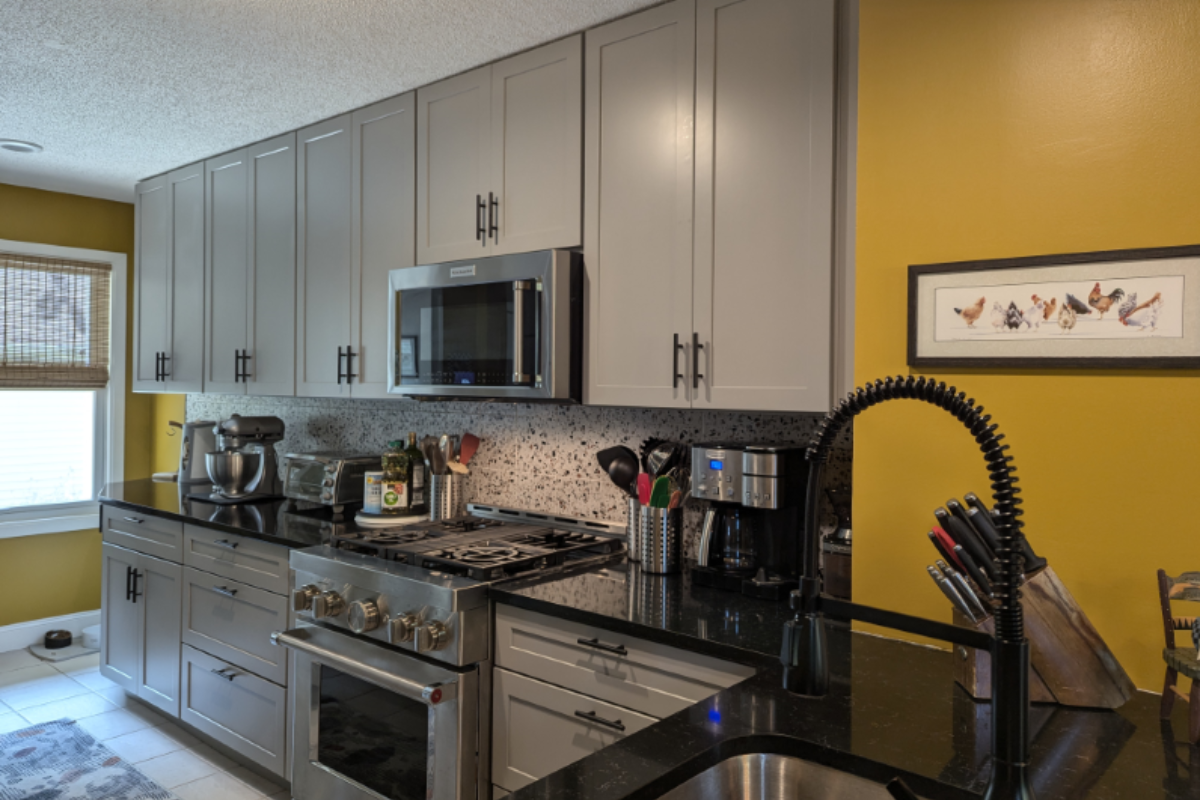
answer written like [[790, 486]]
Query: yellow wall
[[998, 128], [57, 574]]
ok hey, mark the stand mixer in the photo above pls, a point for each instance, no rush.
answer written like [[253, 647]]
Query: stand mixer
[[243, 468]]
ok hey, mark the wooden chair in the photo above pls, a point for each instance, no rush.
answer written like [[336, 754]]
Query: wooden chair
[[1180, 659]]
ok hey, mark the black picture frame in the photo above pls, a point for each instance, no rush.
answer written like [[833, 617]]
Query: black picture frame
[[917, 271]]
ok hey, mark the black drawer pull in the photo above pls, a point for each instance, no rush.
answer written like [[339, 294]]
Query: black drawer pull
[[590, 716], [228, 545], [617, 649], [480, 230], [225, 590], [133, 519], [227, 673]]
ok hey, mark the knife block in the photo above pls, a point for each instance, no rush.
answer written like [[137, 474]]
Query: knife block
[[1069, 663]]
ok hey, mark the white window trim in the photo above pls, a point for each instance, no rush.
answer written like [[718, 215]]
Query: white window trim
[[82, 516]]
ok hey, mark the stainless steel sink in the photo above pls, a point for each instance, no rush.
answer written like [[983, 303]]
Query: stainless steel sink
[[766, 776]]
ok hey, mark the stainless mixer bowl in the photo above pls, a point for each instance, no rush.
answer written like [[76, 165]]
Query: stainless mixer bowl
[[234, 472]]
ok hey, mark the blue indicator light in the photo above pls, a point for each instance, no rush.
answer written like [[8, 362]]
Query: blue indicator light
[[714, 715], [716, 465]]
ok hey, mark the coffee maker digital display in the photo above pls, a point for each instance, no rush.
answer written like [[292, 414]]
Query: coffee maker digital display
[[755, 503]]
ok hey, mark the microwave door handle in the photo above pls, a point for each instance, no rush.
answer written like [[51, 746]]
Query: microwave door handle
[[519, 289]]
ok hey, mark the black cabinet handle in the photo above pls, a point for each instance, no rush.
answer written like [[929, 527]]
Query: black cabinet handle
[[341, 355], [618, 649], [225, 590], [494, 216], [676, 377], [350, 356], [479, 229], [696, 348], [135, 594], [227, 673], [158, 366], [228, 545], [245, 368], [129, 583], [165, 374], [237, 366], [590, 716]]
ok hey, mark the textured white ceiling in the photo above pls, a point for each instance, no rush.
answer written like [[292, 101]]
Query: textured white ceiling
[[117, 90]]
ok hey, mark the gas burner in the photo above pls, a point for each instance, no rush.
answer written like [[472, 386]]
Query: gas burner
[[483, 554], [394, 537]]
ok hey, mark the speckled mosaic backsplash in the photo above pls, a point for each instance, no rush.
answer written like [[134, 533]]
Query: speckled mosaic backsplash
[[536, 457]]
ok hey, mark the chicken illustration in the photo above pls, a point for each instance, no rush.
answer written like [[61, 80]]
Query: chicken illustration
[[1033, 315], [998, 316], [1144, 316], [1051, 307], [1104, 302], [971, 312], [1076, 305], [1013, 317], [1066, 317]]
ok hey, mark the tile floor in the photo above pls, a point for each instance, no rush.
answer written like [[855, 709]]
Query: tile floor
[[32, 691]]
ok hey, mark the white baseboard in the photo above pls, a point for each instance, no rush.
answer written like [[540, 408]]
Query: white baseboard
[[23, 634]]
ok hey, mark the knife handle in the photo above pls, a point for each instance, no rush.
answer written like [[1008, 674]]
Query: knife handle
[[951, 593], [983, 520], [965, 536], [957, 510], [965, 591], [973, 570], [937, 543]]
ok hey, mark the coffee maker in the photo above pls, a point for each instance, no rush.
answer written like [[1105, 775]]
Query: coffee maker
[[755, 498]]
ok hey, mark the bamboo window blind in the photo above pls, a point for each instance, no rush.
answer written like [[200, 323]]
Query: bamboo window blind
[[54, 323]]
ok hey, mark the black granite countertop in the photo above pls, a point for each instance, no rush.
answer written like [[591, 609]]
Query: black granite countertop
[[269, 521], [893, 709]]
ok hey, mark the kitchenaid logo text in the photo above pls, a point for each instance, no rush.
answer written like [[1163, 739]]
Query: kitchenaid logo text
[[462, 272]]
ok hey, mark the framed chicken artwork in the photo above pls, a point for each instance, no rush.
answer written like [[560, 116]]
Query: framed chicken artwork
[[1117, 309]]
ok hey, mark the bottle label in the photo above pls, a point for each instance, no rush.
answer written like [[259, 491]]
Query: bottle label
[[395, 497], [418, 475]]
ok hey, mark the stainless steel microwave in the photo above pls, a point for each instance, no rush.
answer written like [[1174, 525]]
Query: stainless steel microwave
[[504, 327]]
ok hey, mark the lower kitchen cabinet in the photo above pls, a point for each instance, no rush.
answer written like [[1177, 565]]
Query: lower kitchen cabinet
[[140, 617], [539, 728], [237, 708], [235, 621]]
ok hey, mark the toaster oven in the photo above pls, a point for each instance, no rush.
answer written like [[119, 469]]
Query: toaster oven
[[327, 478]]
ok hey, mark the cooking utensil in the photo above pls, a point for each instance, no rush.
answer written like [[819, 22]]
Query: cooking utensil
[[958, 512], [644, 488], [983, 520], [972, 569], [965, 535], [660, 459], [437, 460], [621, 464], [676, 500], [951, 593], [470, 445], [947, 545], [937, 543], [447, 450], [964, 590], [455, 447], [648, 446], [660, 495], [457, 468]]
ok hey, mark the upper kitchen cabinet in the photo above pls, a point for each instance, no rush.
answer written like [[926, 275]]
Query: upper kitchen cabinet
[[638, 207], [764, 204], [324, 357], [498, 157], [169, 350], [355, 216], [383, 224], [718, 294], [251, 270]]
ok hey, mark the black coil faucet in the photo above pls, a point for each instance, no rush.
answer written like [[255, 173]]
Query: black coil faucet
[[805, 656]]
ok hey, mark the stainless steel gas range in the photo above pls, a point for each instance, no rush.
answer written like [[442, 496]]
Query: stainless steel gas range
[[392, 649]]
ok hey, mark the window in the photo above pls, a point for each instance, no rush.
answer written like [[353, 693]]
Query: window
[[62, 346]]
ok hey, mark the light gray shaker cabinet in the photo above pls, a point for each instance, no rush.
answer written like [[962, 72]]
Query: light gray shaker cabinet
[[762, 294], [638, 207], [141, 619], [227, 276], [498, 157], [169, 275]]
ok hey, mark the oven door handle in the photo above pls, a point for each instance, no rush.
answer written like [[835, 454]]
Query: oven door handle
[[299, 639]]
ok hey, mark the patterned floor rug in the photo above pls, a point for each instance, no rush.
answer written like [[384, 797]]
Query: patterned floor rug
[[60, 761]]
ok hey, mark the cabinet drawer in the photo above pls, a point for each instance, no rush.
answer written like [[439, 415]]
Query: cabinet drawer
[[536, 728], [155, 536], [236, 708], [234, 621], [259, 564], [652, 678]]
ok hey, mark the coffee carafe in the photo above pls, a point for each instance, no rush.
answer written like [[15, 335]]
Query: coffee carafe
[[755, 499]]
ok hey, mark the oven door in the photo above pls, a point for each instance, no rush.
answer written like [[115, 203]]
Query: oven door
[[302, 479], [370, 723]]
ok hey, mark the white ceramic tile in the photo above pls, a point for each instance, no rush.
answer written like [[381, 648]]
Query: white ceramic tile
[[93, 680], [176, 769], [144, 745], [17, 659], [152, 716], [111, 724], [115, 695], [217, 785], [256, 782], [12, 722], [25, 674], [88, 663], [178, 735], [211, 756], [77, 708], [39, 691]]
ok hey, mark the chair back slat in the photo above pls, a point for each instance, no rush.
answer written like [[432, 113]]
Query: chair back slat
[[1185, 587]]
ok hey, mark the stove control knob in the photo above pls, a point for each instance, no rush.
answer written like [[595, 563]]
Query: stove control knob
[[363, 616], [327, 604], [302, 599], [432, 636], [402, 628]]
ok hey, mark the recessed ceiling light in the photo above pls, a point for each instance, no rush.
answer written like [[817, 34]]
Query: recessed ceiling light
[[15, 146]]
